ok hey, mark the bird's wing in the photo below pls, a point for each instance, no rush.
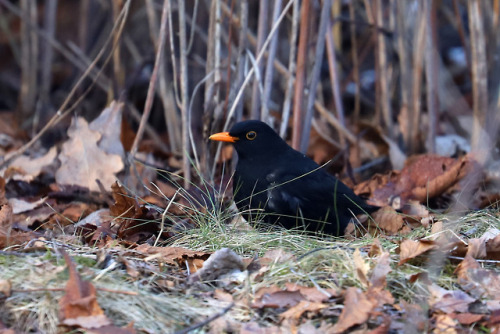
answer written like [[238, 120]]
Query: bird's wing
[[316, 189]]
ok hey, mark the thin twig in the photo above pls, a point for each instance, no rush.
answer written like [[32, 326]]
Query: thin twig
[[152, 85], [261, 37], [479, 71], [431, 75], [47, 56], [334, 81], [382, 75], [355, 65], [193, 24], [268, 78], [324, 25], [287, 104]]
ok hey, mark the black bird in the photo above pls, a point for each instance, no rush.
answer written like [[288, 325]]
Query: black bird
[[282, 185]]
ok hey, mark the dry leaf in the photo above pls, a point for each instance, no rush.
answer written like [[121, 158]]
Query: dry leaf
[[313, 294], [171, 255], [357, 310], [275, 298], [449, 301], [429, 175], [222, 262], [83, 162], [78, 307], [479, 282], [361, 266], [493, 248], [444, 324], [20, 206], [466, 318], [388, 219], [295, 312], [375, 248], [5, 288], [410, 249], [476, 248], [135, 222], [109, 124], [24, 168], [379, 274]]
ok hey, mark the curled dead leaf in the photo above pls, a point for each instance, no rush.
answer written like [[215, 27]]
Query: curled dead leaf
[[410, 249]]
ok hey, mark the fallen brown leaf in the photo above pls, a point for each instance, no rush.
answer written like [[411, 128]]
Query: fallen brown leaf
[[479, 282], [276, 298], [449, 301], [135, 222], [362, 267], [78, 307], [357, 310], [171, 255], [427, 176], [379, 273], [83, 162], [410, 249], [444, 324], [295, 312], [5, 288], [466, 318], [313, 294], [388, 219]]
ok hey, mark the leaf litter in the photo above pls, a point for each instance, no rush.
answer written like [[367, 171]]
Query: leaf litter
[[177, 258]]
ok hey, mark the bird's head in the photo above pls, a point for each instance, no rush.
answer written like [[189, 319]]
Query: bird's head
[[253, 138]]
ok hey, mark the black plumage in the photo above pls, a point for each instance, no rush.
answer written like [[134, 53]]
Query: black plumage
[[282, 185]]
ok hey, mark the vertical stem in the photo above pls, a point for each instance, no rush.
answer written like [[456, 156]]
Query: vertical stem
[[431, 74], [355, 63], [300, 80], [29, 59], [385, 99], [418, 56], [152, 81], [478, 70], [261, 37], [291, 69], [186, 118], [268, 79], [213, 59], [334, 81], [119, 75], [324, 26]]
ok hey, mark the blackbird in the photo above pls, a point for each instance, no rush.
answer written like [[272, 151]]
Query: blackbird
[[274, 182]]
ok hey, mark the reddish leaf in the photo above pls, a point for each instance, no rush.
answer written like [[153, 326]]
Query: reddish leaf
[[79, 307]]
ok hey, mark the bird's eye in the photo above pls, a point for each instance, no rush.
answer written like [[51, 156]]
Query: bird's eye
[[251, 135]]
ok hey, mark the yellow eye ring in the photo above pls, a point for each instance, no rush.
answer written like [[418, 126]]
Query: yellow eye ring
[[251, 135]]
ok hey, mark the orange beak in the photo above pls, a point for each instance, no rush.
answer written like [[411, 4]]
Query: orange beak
[[223, 136]]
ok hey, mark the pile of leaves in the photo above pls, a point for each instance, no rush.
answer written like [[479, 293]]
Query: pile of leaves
[[80, 250]]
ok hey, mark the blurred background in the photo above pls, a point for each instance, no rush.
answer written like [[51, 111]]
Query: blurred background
[[367, 83]]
